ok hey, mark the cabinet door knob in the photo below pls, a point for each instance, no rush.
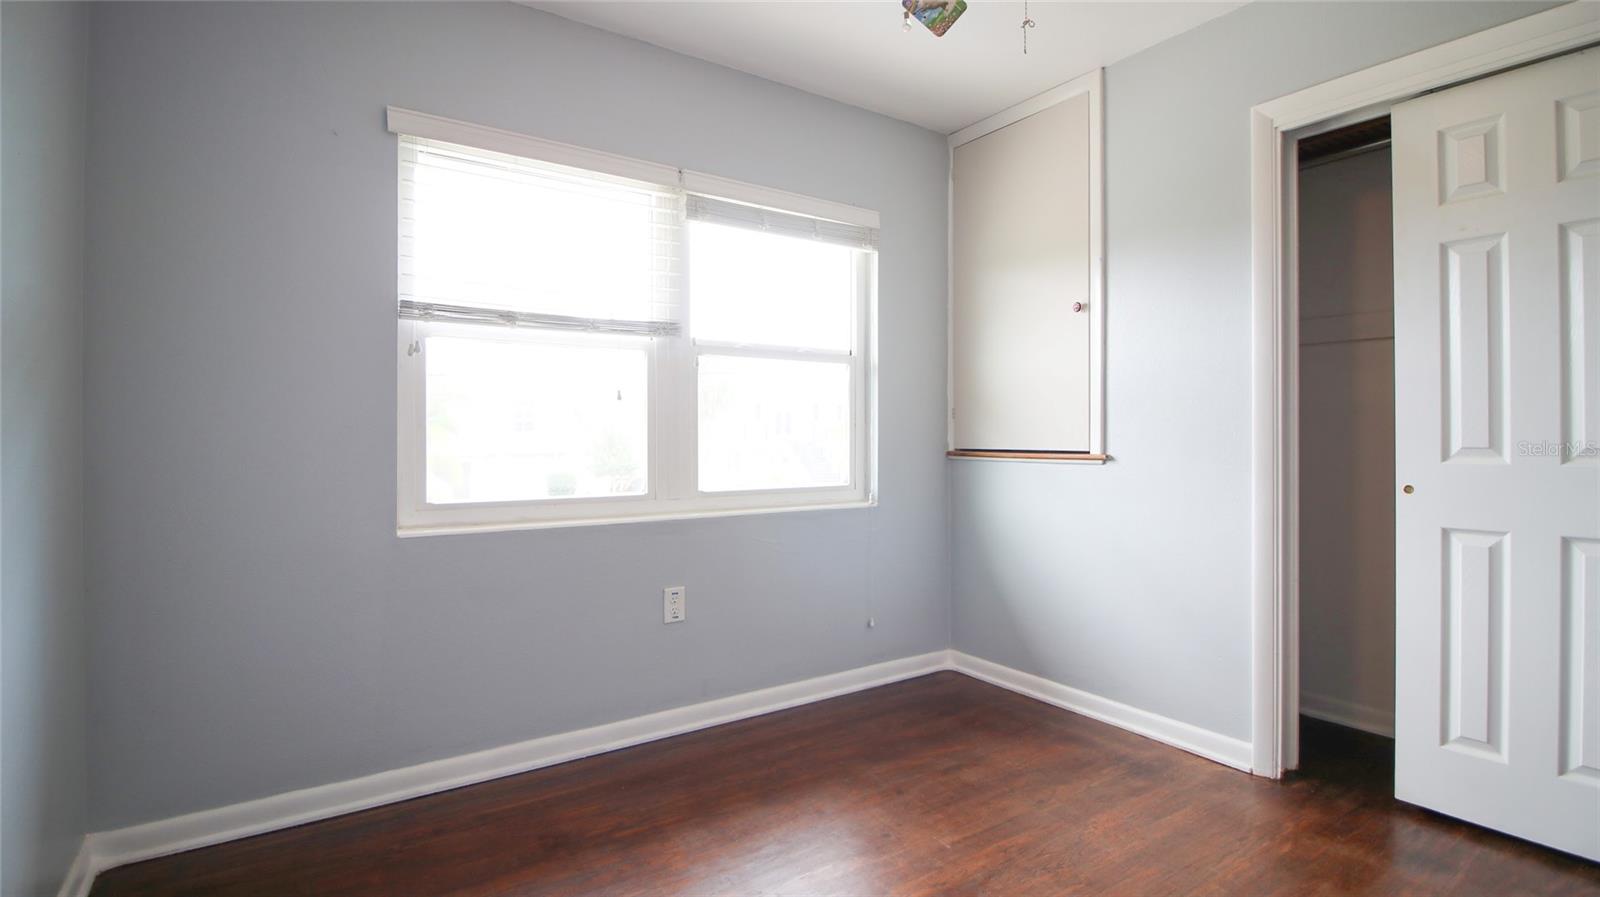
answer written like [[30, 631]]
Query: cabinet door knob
[[1077, 306], [1408, 489]]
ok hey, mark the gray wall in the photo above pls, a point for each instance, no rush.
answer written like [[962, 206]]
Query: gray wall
[[1131, 580], [1347, 442], [258, 626], [43, 697]]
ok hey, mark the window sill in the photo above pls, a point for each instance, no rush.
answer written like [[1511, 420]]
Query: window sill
[[452, 529], [1051, 457]]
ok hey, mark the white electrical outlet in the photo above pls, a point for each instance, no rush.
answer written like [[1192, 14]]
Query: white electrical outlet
[[674, 604]]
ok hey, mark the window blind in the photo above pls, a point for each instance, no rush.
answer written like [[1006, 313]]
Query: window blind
[[487, 237], [736, 214]]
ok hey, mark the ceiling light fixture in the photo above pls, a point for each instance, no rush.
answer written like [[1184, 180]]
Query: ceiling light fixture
[[937, 15]]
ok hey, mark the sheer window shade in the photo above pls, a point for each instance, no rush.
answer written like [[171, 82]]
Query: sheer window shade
[[602, 252]]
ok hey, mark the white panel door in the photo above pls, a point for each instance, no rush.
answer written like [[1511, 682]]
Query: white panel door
[[1497, 440], [1020, 260]]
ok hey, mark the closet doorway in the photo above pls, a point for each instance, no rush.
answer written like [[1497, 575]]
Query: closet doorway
[[1347, 451]]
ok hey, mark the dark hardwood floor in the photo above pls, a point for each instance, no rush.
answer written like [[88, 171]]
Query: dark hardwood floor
[[939, 785]]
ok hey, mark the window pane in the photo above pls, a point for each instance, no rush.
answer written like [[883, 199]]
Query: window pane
[[773, 424], [519, 420], [494, 231], [755, 288]]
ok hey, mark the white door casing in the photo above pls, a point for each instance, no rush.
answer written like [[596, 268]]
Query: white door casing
[[1497, 431]]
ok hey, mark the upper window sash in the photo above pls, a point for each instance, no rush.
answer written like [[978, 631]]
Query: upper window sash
[[439, 180]]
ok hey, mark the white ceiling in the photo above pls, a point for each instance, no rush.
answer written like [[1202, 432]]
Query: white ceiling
[[856, 51]]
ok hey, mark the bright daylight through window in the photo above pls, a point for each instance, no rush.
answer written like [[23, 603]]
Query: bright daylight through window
[[578, 346]]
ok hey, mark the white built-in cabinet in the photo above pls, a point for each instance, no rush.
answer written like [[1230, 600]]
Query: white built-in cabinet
[[1025, 280]]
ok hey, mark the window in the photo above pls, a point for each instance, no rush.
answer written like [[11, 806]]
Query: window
[[580, 343]]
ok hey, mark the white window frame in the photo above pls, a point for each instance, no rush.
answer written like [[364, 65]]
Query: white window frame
[[672, 475]]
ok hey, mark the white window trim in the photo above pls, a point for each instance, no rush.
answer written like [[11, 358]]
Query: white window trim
[[673, 385]]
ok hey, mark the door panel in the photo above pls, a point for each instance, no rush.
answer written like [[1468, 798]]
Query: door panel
[[1020, 260], [1580, 660], [1497, 355], [1474, 331], [1580, 350], [1473, 702]]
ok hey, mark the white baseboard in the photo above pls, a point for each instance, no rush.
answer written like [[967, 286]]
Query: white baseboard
[[1348, 713], [1204, 742], [107, 850], [80, 876]]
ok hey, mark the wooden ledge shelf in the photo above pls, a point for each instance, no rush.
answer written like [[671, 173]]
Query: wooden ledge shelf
[[1006, 455]]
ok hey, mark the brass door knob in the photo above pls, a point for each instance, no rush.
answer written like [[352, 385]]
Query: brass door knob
[[1408, 489]]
